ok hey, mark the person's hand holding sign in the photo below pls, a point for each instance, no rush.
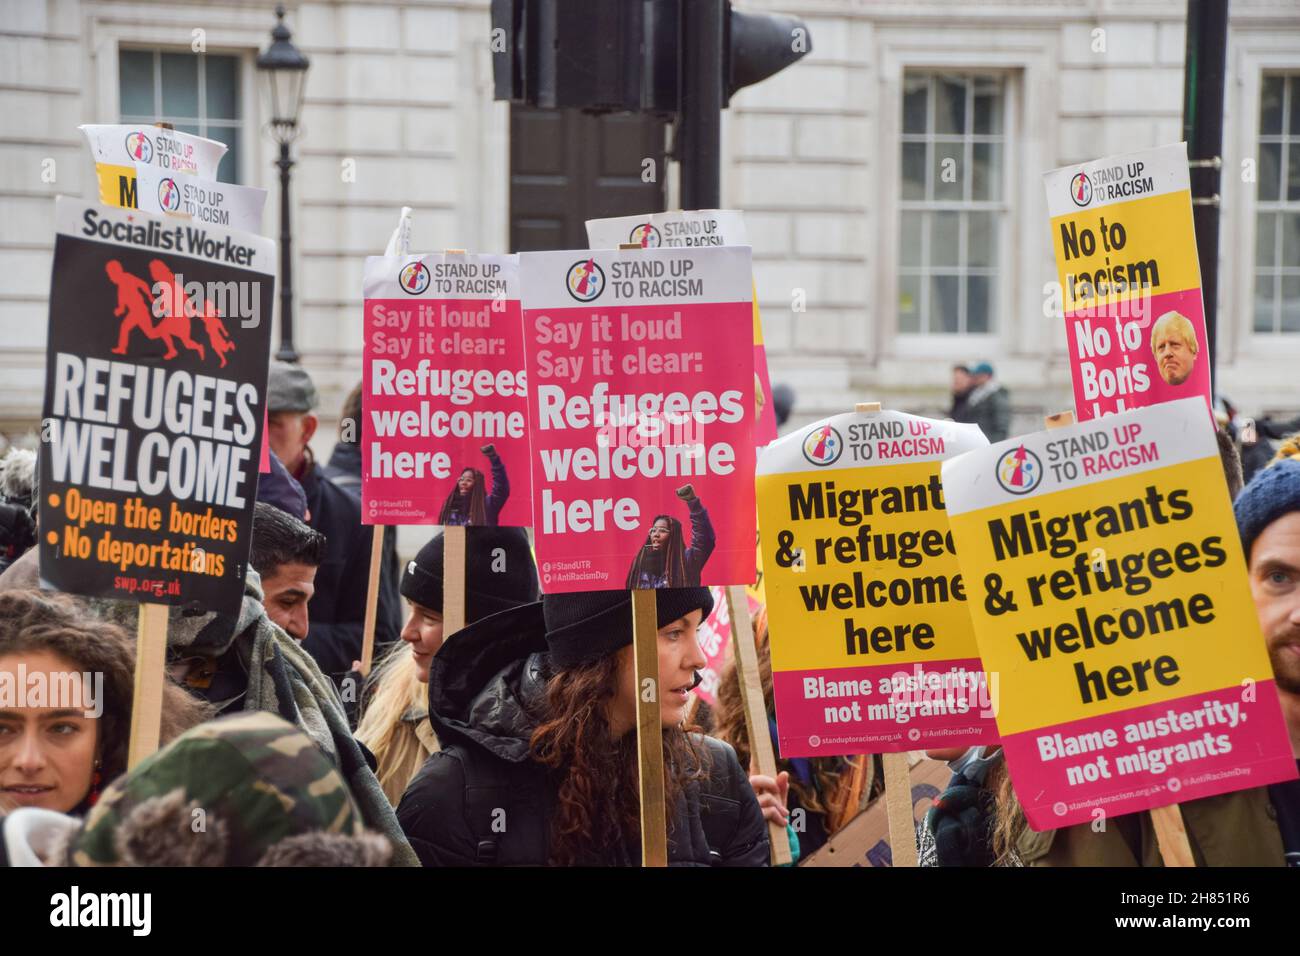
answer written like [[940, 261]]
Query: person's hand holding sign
[[772, 795]]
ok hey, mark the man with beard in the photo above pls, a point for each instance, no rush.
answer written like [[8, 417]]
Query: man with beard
[[1255, 827], [1268, 515], [1174, 346]]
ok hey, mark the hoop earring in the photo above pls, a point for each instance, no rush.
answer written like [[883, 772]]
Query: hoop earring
[[96, 782]]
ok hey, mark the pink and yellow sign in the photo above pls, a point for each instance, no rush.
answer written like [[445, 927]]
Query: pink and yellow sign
[[642, 416], [444, 430], [1130, 280], [686, 229], [1110, 596], [872, 645]]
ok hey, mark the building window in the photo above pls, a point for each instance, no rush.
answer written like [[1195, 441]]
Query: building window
[[952, 203], [195, 92], [1277, 220]]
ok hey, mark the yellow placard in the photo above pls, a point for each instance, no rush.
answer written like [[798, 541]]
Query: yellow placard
[[117, 185], [1123, 593], [872, 579], [1108, 254]]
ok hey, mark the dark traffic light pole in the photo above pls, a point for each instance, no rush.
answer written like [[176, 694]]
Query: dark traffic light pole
[[286, 352], [699, 127], [1203, 79]]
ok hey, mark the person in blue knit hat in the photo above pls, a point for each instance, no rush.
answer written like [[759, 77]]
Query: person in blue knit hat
[[1268, 517]]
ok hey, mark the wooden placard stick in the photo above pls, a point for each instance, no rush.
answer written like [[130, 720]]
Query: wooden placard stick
[[898, 805], [898, 784], [150, 673], [1171, 832], [751, 694], [372, 599], [453, 561], [399, 244], [649, 723], [453, 579], [649, 728]]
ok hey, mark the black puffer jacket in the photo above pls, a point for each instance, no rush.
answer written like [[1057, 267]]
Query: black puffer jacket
[[481, 801]]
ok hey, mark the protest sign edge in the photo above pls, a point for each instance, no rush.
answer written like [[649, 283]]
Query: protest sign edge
[[150, 675], [751, 692], [1171, 833], [649, 724], [898, 807], [649, 736]]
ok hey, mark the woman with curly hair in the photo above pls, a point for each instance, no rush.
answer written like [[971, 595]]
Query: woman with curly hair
[[59, 749], [536, 710]]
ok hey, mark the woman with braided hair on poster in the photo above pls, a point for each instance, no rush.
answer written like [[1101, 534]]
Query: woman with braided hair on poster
[[470, 503], [664, 561]]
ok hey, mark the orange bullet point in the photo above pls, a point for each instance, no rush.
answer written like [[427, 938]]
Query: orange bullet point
[[54, 501], [52, 537]]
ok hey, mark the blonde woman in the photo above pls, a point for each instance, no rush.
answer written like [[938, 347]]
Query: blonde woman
[[500, 574]]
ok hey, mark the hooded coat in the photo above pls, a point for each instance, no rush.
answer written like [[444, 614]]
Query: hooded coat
[[482, 801]]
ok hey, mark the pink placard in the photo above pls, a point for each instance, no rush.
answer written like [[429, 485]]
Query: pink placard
[[1113, 354], [822, 712], [444, 393], [264, 457], [641, 374], [1131, 760], [714, 635], [765, 431]]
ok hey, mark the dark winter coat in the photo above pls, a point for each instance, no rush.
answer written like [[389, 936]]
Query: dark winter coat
[[337, 611], [481, 800], [989, 407], [344, 469]]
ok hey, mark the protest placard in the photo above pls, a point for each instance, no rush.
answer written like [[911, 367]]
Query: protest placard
[[157, 355], [866, 839], [872, 645], [117, 149], [1130, 280], [444, 392], [1109, 593], [714, 636], [687, 229], [160, 191], [642, 410]]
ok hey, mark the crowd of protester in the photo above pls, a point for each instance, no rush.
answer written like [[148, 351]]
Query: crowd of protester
[[511, 742]]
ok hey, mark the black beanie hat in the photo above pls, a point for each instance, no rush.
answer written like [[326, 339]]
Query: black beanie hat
[[588, 625], [487, 590]]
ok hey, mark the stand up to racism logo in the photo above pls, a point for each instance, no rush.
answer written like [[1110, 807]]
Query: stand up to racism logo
[[1019, 470], [1081, 189], [414, 278], [169, 196], [646, 236], [139, 147], [586, 280], [823, 446]]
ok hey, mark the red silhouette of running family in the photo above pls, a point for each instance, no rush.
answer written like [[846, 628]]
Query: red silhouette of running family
[[136, 305]]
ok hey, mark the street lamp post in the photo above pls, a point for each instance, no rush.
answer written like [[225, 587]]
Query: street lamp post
[[285, 68]]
